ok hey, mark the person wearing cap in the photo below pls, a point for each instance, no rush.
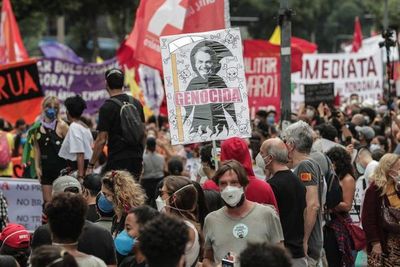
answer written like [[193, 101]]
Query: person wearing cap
[[91, 187], [120, 155], [365, 135], [15, 241], [94, 239]]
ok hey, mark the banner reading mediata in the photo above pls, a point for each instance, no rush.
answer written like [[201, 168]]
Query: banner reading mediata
[[205, 86], [63, 79], [353, 73]]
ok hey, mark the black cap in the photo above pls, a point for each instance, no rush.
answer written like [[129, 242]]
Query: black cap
[[92, 182]]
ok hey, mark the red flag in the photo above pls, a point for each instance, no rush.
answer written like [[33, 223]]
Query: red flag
[[11, 45], [155, 18], [357, 36]]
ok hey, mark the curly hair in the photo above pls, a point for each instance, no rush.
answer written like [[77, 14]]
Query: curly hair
[[264, 255], [342, 160], [127, 192], [66, 213], [163, 241], [380, 174]]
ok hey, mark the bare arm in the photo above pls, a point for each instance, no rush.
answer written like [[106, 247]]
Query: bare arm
[[208, 260], [99, 144], [311, 212], [37, 156], [80, 159], [349, 187]]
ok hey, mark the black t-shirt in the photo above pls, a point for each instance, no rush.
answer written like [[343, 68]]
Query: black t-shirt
[[290, 194], [130, 261], [94, 240], [110, 122], [91, 214]]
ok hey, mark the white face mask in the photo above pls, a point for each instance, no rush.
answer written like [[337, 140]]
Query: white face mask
[[373, 147], [310, 113], [360, 168], [160, 204], [260, 162], [232, 195]]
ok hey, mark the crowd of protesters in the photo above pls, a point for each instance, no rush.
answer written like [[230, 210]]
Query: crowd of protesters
[[263, 201]]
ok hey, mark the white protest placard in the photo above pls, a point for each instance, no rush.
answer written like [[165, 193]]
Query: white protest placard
[[353, 73], [24, 200], [205, 86]]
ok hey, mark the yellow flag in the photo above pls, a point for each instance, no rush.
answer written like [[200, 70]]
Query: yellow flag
[[99, 60], [276, 36], [136, 91]]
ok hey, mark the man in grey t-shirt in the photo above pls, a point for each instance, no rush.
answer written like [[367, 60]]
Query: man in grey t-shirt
[[228, 230], [299, 139]]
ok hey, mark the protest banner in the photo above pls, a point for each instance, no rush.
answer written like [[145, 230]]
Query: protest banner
[[155, 18], [314, 94], [205, 86], [152, 87], [24, 200], [262, 68], [63, 79], [20, 91], [354, 73]]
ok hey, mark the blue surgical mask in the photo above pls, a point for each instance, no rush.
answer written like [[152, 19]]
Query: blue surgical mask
[[104, 204], [124, 243], [51, 113], [270, 120]]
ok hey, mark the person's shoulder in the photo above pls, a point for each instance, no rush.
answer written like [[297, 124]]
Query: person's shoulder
[[265, 209], [215, 214], [95, 228], [258, 183]]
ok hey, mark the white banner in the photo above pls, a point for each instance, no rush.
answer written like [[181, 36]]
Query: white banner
[[354, 73], [24, 200], [205, 86], [151, 84]]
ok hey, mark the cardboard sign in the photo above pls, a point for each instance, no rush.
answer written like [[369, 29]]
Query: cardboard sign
[[314, 94], [205, 86]]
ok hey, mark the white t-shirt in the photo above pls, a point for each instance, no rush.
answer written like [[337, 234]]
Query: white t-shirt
[[369, 170], [78, 140]]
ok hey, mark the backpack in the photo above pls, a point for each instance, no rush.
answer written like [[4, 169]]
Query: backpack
[[334, 194], [5, 153], [131, 124]]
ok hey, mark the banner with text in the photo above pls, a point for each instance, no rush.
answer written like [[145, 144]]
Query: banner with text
[[24, 200], [205, 86], [63, 79], [262, 67], [354, 73]]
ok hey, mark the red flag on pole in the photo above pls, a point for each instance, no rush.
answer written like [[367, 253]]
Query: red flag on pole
[[11, 46], [357, 36], [155, 18]]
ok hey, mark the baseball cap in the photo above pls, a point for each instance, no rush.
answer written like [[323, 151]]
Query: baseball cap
[[64, 182], [15, 236], [367, 131]]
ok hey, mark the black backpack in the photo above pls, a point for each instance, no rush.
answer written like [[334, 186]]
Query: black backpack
[[334, 194], [131, 123]]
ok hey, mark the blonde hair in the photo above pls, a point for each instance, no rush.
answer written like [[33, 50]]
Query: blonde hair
[[379, 177], [50, 101], [127, 192]]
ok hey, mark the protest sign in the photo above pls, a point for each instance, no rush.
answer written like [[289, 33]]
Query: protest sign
[[63, 79], [262, 68], [314, 94], [24, 200], [205, 86], [355, 73], [20, 91], [155, 18], [152, 87]]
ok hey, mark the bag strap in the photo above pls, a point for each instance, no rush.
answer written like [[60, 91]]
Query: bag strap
[[116, 101]]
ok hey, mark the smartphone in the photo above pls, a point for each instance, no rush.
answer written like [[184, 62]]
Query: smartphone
[[227, 263], [348, 140]]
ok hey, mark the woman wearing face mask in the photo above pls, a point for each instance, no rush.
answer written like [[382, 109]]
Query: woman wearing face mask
[[127, 243], [383, 242], [337, 240], [48, 139], [179, 196], [124, 193]]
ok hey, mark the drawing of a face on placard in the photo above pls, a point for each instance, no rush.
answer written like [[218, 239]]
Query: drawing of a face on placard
[[208, 89], [210, 116]]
